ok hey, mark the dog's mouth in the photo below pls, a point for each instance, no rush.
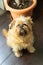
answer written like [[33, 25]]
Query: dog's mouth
[[22, 32]]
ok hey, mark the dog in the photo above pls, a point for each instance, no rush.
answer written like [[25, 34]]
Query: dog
[[20, 36]]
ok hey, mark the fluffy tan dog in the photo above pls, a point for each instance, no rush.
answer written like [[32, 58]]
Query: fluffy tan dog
[[20, 35]]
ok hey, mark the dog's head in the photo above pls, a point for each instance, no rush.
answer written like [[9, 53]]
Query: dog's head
[[22, 26]]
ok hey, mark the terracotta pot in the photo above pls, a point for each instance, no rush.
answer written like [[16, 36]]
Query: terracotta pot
[[17, 12]]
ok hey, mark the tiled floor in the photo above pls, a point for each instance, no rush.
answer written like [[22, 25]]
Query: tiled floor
[[6, 55]]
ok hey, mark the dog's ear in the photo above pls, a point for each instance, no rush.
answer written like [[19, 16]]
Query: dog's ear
[[29, 20], [11, 24]]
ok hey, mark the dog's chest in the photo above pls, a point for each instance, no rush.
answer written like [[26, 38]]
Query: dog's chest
[[21, 46], [18, 42]]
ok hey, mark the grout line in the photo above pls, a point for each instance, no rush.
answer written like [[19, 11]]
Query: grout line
[[6, 58]]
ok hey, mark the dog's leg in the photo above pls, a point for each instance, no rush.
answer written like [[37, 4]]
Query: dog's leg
[[31, 49], [17, 53]]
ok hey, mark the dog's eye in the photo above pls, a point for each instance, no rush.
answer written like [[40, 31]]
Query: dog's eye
[[18, 25], [25, 25]]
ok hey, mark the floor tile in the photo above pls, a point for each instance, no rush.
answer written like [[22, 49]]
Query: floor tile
[[4, 53]]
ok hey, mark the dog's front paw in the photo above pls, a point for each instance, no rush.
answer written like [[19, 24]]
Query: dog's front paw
[[31, 49], [18, 54]]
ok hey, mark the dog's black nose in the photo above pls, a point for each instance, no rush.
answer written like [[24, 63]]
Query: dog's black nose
[[23, 32]]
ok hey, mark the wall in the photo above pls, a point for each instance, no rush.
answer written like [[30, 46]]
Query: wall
[[2, 4]]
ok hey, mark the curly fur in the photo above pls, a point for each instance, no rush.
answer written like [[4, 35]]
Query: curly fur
[[17, 42]]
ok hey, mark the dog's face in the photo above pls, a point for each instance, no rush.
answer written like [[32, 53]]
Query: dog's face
[[22, 26]]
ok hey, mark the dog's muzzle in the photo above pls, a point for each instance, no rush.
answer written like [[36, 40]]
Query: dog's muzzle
[[23, 32]]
